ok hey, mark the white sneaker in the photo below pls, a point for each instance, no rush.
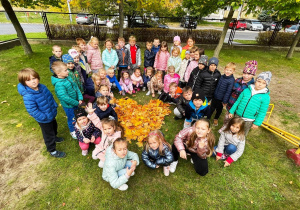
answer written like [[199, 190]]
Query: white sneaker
[[84, 152], [166, 170], [192, 161], [73, 134], [101, 164], [173, 166], [159, 92], [94, 157], [144, 89], [132, 174], [148, 93], [123, 187]]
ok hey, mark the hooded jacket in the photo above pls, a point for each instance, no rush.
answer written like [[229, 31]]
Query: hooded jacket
[[138, 54], [149, 57], [168, 80], [124, 57], [152, 158], [182, 104], [193, 64], [191, 112], [161, 60], [110, 58], [176, 62], [94, 57], [224, 88]]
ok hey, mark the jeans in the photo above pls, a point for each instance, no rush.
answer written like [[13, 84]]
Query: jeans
[[229, 149], [71, 117], [124, 170]]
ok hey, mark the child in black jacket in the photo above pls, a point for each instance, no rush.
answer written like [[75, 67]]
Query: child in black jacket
[[149, 56], [104, 110], [183, 101]]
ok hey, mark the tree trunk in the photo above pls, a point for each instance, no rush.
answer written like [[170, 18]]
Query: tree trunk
[[20, 32], [121, 18], [294, 44], [225, 28]]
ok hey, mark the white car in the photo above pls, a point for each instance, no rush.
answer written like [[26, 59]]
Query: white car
[[101, 22], [254, 25], [292, 29], [115, 21]]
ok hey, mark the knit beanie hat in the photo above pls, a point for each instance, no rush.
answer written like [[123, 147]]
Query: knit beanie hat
[[250, 67], [203, 60], [67, 58], [267, 75], [73, 53], [187, 52], [176, 38], [213, 60], [80, 112], [198, 95]]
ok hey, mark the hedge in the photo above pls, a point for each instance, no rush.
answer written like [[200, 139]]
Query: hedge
[[282, 38], [66, 32]]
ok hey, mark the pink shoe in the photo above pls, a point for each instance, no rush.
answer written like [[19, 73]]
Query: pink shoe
[[139, 89], [133, 91]]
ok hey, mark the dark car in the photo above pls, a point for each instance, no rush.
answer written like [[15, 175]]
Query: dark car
[[268, 26], [146, 23], [188, 22], [241, 24]]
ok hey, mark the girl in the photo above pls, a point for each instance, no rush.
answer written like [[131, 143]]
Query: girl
[[157, 152], [103, 109], [126, 83], [170, 77], [177, 43], [175, 59], [231, 143], [190, 43], [93, 54], [137, 80], [86, 132], [120, 164], [104, 91], [193, 64], [183, 66], [156, 84], [110, 129], [109, 55], [146, 78], [100, 79], [197, 140], [161, 58]]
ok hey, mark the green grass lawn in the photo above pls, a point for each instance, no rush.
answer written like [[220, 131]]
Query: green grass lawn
[[246, 41], [28, 35], [263, 178]]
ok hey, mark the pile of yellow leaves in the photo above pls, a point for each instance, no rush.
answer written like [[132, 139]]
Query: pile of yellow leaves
[[138, 120]]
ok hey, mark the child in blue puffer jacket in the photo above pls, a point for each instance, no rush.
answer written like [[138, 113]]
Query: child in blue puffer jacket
[[157, 152], [41, 105]]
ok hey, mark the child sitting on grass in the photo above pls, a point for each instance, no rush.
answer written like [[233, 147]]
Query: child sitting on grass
[[104, 91], [57, 56], [126, 83], [155, 84], [40, 104], [170, 77], [137, 80], [173, 94], [182, 103], [113, 79], [100, 79], [147, 78], [103, 109]]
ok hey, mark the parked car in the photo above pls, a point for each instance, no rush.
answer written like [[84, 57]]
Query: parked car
[[254, 25], [84, 19], [139, 22], [188, 22], [241, 24], [292, 29], [101, 21], [115, 21], [268, 26]]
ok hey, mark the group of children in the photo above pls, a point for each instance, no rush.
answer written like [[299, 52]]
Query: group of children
[[193, 84]]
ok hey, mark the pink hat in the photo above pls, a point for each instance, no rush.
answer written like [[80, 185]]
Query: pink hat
[[176, 38], [73, 53], [250, 67]]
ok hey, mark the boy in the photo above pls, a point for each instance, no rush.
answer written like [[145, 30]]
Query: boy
[[147, 78], [197, 108], [183, 101], [113, 80], [104, 110], [135, 54], [252, 104], [124, 57], [40, 104], [222, 92], [156, 46], [149, 56], [67, 92], [195, 75], [82, 55], [57, 53], [173, 95]]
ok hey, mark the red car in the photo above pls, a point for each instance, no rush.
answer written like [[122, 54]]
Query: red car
[[241, 24]]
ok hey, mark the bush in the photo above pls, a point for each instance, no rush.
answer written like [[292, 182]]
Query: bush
[[66, 32], [282, 38]]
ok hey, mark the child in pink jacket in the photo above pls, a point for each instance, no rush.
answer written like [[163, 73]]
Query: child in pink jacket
[[193, 64], [137, 80], [161, 58], [126, 83], [94, 55], [170, 77]]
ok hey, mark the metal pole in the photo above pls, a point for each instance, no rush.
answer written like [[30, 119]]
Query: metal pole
[[68, 1]]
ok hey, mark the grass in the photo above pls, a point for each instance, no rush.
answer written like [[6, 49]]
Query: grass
[[245, 41], [28, 35], [260, 179], [210, 23]]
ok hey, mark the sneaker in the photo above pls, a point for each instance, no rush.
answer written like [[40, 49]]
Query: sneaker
[[133, 91], [215, 122], [59, 139], [192, 161], [123, 93], [172, 103], [73, 134], [176, 118], [148, 93], [94, 157], [138, 89], [84, 152], [173, 166], [132, 173], [166, 170], [144, 89], [58, 154], [159, 92], [101, 164], [123, 187]]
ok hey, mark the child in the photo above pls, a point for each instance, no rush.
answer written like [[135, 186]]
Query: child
[[126, 83], [40, 104], [104, 110], [177, 43], [82, 44], [109, 55], [183, 66], [182, 103], [123, 56], [146, 78], [67, 92], [252, 104], [135, 54], [173, 94], [120, 164], [156, 46], [198, 141], [81, 72], [57, 53], [93, 54], [149, 56], [222, 92], [161, 58], [117, 47], [175, 59], [104, 91], [170, 77], [195, 75], [193, 64], [86, 132], [137, 80], [157, 152], [67, 59], [155, 84], [113, 80], [189, 45], [196, 109], [100, 79], [231, 143]]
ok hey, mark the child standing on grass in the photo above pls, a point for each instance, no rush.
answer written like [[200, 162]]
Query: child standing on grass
[[157, 152], [195, 76], [198, 141], [161, 58], [67, 92], [40, 104], [155, 84], [120, 164], [104, 110], [137, 80], [147, 77], [183, 66], [135, 54], [86, 132], [149, 56], [109, 55], [113, 80], [156, 46], [83, 57], [190, 43], [94, 55], [126, 83], [193, 64], [123, 56], [170, 77], [57, 53], [67, 59], [182, 103], [175, 59], [252, 104], [231, 143], [177, 43]]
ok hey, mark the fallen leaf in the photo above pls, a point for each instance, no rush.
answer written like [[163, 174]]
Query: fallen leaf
[[291, 182], [63, 204], [33, 129], [8, 104], [3, 102], [251, 202], [48, 203], [166, 130], [19, 125], [14, 85], [274, 185]]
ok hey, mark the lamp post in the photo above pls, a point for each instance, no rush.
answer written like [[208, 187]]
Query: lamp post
[[68, 1]]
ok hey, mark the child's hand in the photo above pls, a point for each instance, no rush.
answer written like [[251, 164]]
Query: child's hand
[[90, 109], [226, 164], [133, 163], [120, 92], [157, 166], [224, 105], [139, 66], [254, 126], [111, 94], [218, 158], [80, 102], [130, 92], [128, 67], [153, 95], [183, 113], [187, 123], [118, 68], [93, 139], [134, 82], [130, 171], [230, 116], [183, 154], [112, 66], [86, 140]]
